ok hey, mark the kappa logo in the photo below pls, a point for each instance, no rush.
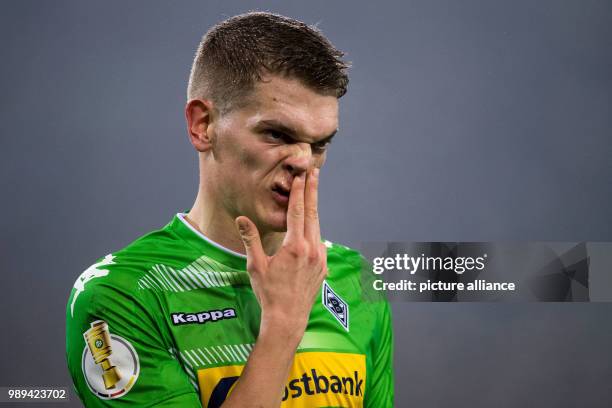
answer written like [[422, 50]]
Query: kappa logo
[[334, 303], [202, 317], [94, 271]]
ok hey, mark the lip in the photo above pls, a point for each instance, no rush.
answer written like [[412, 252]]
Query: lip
[[279, 198]]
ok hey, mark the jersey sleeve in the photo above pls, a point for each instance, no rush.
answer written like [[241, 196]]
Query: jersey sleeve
[[381, 393], [117, 351]]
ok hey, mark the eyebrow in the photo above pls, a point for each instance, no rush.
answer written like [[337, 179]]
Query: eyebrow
[[290, 131]]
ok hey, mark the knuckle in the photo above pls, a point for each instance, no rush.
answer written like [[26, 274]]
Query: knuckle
[[298, 210], [312, 213], [296, 249], [313, 257], [248, 237], [252, 267], [299, 248]]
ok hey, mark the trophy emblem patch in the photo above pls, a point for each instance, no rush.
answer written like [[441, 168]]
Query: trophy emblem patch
[[110, 363]]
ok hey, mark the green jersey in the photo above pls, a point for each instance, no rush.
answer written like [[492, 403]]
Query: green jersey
[[170, 320]]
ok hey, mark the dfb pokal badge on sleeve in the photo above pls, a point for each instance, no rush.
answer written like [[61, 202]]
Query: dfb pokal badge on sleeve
[[110, 363]]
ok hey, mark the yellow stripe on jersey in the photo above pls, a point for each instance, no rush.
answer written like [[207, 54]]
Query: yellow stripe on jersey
[[316, 379]]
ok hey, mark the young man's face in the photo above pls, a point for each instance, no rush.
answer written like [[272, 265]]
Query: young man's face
[[259, 148]]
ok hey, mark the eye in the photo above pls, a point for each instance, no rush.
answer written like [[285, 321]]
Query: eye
[[276, 135], [320, 146]]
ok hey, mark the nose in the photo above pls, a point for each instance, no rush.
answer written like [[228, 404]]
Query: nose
[[300, 159]]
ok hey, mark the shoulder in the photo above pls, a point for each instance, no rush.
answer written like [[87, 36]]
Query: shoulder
[[119, 274], [111, 290], [346, 267], [347, 263], [340, 254], [349, 266], [108, 300]]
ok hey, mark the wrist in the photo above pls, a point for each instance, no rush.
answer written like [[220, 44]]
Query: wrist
[[282, 329]]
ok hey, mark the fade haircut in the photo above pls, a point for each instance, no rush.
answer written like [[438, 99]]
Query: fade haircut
[[235, 54]]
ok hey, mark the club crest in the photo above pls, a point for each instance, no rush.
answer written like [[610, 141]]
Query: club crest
[[336, 306]]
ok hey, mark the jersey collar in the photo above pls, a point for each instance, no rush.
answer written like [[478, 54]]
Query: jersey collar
[[194, 237]]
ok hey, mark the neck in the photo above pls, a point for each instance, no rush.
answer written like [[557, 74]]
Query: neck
[[214, 222]]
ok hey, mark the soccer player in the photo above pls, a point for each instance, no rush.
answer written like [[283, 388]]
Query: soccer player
[[239, 302]]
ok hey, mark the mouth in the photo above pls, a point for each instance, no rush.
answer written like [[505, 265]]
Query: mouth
[[280, 193]]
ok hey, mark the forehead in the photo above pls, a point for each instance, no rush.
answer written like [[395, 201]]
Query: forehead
[[287, 101]]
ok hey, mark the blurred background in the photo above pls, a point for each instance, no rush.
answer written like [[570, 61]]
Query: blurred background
[[475, 120]]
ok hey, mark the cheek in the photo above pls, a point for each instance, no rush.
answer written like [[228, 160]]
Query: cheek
[[239, 157], [248, 159], [259, 161], [319, 161], [252, 167]]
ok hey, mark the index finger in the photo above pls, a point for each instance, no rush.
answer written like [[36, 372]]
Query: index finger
[[312, 230], [295, 209]]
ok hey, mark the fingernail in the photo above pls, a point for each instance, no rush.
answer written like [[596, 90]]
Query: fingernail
[[242, 226], [315, 172]]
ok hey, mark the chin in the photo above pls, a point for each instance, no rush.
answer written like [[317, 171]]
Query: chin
[[270, 218], [278, 226], [275, 222]]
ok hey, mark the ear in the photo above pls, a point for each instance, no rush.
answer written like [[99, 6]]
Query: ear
[[199, 114]]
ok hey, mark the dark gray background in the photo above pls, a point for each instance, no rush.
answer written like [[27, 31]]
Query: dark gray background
[[465, 120]]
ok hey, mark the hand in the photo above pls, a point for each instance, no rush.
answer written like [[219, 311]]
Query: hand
[[286, 284]]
